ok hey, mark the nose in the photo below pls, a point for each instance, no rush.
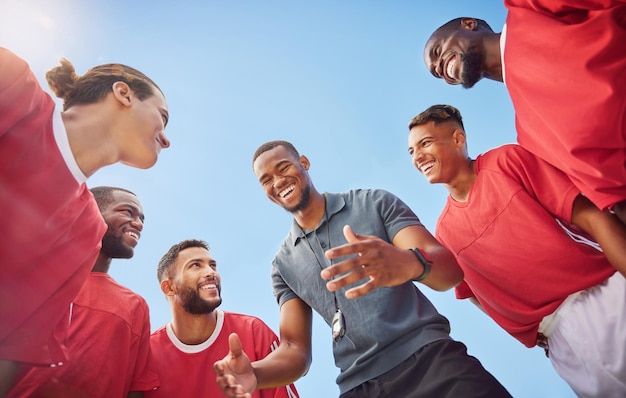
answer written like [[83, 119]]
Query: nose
[[165, 143], [210, 272], [433, 65], [278, 181], [435, 68], [137, 223], [417, 157]]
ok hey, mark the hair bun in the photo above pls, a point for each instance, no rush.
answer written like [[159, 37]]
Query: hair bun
[[62, 79]]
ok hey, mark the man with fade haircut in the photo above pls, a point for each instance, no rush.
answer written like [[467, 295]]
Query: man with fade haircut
[[109, 325], [522, 233], [197, 336], [388, 339], [564, 67]]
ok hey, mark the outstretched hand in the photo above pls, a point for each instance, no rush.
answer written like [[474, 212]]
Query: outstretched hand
[[235, 375], [377, 260]]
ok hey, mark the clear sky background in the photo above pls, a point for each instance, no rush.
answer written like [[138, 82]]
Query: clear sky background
[[339, 79]]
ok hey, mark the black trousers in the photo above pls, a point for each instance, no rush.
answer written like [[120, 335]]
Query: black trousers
[[441, 369]]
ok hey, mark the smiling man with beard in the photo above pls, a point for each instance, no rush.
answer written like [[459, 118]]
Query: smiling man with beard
[[197, 336], [563, 65], [107, 344]]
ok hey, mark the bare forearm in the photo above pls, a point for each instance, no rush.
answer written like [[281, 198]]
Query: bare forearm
[[605, 228], [283, 366], [611, 236], [445, 272]]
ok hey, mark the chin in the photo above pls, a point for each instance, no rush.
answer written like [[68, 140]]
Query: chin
[[143, 163]]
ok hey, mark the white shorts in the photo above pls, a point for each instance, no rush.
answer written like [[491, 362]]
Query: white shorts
[[587, 339]]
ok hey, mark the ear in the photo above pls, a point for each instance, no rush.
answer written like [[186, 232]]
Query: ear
[[167, 287], [469, 23], [304, 161], [122, 93], [459, 137]]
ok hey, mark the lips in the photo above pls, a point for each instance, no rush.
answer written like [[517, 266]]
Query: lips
[[133, 234], [449, 69], [208, 285], [288, 190], [425, 167]]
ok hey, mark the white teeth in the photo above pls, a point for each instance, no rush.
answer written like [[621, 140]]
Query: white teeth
[[287, 191], [426, 167], [208, 286], [133, 235], [450, 68]]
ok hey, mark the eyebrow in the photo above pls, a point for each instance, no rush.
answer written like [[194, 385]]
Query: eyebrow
[[194, 260]]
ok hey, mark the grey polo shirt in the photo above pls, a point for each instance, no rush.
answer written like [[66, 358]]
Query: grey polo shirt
[[384, 327]]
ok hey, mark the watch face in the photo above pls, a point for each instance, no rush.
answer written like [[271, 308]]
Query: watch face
[[338, 326]]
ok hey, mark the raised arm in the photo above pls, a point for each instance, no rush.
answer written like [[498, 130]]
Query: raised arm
[[238, 378], [391, 264]]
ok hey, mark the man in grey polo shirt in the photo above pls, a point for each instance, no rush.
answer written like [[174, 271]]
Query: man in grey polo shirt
[[389, 340]]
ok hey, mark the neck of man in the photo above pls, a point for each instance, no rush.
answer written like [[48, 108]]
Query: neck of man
[[312, 214], [193, 329], [103, 262], [461, 185], [493, 58], [91, 147]]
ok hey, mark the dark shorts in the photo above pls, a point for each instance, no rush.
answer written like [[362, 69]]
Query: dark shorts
[[441, 369]]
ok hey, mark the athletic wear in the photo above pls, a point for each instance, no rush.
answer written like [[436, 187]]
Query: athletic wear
[[186, 371], [51, 228], [518, 261], [587, 344], [108, 347], [565, 70]]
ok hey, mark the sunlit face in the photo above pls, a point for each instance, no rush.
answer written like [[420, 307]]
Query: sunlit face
[[145, 137], [436, 151], [455, 56], [196, 281], [284, 178], [124, 218]]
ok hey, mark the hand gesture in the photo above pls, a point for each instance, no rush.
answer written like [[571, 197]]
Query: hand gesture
[[377, 260], [235, 375]]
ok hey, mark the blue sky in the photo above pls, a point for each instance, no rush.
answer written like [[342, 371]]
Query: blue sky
[[339, 79]]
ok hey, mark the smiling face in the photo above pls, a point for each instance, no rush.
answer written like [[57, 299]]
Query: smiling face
[[144, 133], [438, 151], [196, 282], [124, 218], [284, 178], [455, 55]]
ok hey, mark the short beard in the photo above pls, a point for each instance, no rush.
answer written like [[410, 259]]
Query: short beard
[[114, 247], [472, 67], [304, 201], [194, 304]]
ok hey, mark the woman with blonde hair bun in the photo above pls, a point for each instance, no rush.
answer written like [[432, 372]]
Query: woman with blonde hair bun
[[51, 227]]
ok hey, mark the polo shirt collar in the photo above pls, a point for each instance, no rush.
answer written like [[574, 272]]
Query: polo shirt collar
[[334, 203]]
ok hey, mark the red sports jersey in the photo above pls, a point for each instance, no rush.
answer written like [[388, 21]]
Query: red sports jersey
[[565, 70], [51, 228], [108, 347], [187, 370], [517, 260]]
